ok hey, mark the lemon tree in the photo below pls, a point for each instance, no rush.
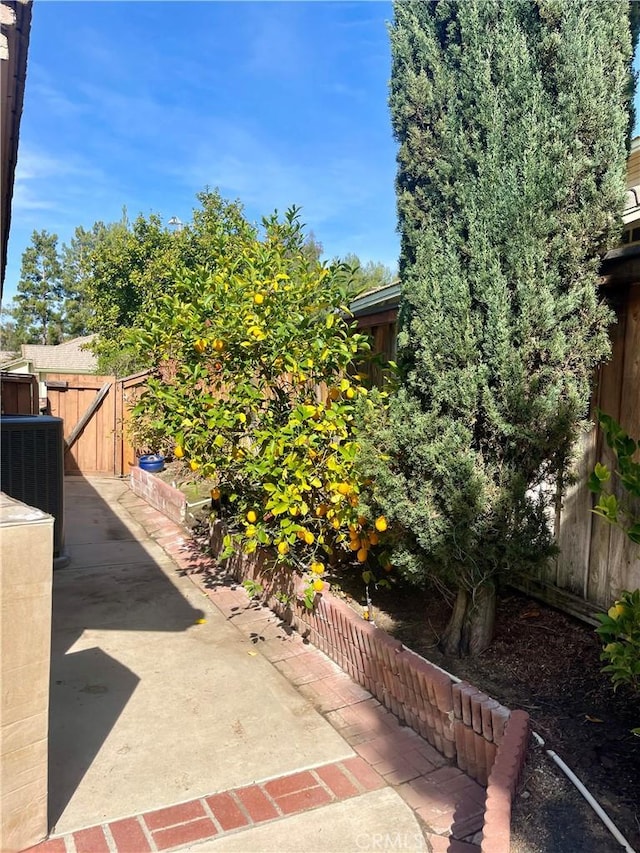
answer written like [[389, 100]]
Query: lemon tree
[[255, 388]]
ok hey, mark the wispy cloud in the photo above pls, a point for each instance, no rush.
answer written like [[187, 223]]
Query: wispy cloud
[[144, 104], [265, 176], [44, 182]]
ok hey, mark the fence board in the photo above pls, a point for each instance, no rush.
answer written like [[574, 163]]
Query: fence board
[[598, 568], [19, 394], [93, 452], [129, 390], [624, 555], [575, 529]]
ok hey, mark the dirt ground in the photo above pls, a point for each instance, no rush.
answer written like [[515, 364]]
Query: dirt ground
[[548, 664]]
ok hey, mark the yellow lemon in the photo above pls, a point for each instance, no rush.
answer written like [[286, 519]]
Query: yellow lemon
[[317, 568], [309, 537], [251, 530], [200, 345], [251, 516], [218, 345], [336, 523], [258, 298], [194, 465], [350, 393], [344, 488], [318, 585], [283, 548], [294, 510], [362, 555], [178, 452], [381, 524]]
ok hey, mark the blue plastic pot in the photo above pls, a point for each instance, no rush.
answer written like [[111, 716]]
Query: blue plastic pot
[[151, 462]]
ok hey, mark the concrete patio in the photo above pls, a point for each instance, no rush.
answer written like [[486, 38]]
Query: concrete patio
[[171, 724]]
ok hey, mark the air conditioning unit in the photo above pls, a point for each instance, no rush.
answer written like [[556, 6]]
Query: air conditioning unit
[[32, 468]]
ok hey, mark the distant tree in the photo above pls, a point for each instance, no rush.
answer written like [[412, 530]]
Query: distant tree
[[135, 263], [10, 338], [76, 261], [511, 121], [120, 281], [312, 248], [370, 276], [37, 308]]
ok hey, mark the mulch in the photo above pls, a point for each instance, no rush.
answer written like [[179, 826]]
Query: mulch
[[548, 664]]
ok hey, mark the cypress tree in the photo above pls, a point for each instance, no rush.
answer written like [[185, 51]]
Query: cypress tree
[[511, 118]]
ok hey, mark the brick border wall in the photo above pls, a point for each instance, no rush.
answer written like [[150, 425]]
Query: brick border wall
[[162, 496], [486, 740]]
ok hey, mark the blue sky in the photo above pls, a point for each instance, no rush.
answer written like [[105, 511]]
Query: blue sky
[[143, 104]]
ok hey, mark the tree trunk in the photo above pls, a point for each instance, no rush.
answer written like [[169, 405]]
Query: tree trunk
[[471, 626]]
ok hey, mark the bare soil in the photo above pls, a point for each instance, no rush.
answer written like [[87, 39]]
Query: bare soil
[[548, 664]]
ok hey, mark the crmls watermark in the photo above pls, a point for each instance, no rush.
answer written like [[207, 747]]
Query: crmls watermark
[[404, 841]]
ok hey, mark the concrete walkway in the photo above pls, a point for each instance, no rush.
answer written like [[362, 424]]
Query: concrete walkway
[[183, 714]]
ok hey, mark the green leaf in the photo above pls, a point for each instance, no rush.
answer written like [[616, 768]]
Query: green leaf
[[634, 533], [594, 484]]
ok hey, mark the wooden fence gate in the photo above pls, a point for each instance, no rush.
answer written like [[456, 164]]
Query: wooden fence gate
[[95, 410]]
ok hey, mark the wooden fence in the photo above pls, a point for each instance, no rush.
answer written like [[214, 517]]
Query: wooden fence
[[18, 394], [96, 411], [596, 561]]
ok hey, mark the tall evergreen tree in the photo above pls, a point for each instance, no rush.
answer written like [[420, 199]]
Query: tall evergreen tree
[[76, 262], [37, 304], [511, 119]]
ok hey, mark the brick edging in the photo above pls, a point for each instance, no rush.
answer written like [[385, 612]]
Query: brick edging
[[223, 812], [484, 738], [162, 496]]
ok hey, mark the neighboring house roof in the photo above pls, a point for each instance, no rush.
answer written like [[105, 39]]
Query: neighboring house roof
[[70, 357], [378, 299], [15, 24]]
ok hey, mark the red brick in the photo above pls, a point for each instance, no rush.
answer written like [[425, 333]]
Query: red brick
[[174, 814], [290, 784], [53, 845], [365, 775], [226, 811], [91, 841], [396, 772], [303, 800], [369, 751], [129, 837], [196, 830], [257, 804], [335, 779]]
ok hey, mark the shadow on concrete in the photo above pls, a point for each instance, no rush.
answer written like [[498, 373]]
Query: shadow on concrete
[[112, 583]]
